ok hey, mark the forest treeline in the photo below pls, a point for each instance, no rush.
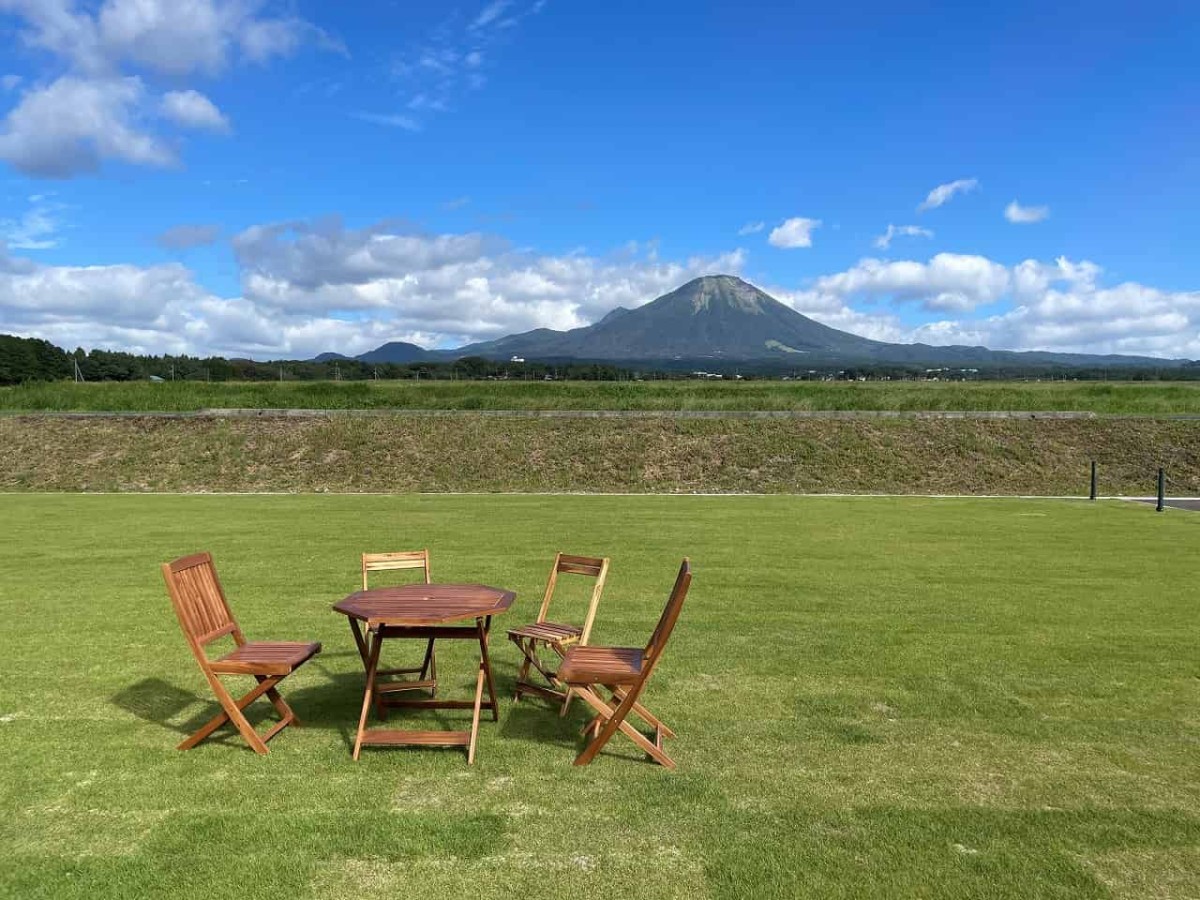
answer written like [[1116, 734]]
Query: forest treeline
[[33, 359]]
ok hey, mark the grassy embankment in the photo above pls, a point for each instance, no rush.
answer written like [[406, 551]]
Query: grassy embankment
[[657, 455]]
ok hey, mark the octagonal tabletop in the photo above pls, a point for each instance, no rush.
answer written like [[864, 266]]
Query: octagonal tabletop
[[424, 604]]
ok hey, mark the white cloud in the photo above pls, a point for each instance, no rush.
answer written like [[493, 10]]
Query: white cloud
[[491, 13], [751, 228], [390, 120], [456, 287], [308, 287], [72, 125], [949, 281], [37, 228], [450, 60], [793, 233], [1024, 215], [172, 37], [10, 82], [1059, 306], [97, 112], [191, 109], [944, 193], [884, 241]]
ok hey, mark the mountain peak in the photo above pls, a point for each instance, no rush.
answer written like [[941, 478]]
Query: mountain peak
[[729, 291]]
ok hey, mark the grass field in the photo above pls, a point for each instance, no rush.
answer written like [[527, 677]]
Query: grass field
[[901, 698], [1099, 397]]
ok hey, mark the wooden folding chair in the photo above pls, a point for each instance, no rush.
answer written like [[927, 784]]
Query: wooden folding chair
[[624, 671], [204, 615], [555, 635], [427, 671]]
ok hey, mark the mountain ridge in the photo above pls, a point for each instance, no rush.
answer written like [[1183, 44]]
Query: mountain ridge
[[724, 318]]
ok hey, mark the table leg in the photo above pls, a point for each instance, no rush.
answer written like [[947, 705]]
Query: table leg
[[358, 639], [376, 639], [485, 626], [475, 717]]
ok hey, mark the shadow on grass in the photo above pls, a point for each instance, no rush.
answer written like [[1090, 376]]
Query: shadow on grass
[[162, 703], [334, 704]]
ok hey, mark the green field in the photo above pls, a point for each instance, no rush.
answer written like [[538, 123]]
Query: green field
[[901, 698], [1142, 398]]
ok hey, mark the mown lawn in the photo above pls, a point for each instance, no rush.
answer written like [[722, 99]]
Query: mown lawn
[[1141, 398], [900, 698]]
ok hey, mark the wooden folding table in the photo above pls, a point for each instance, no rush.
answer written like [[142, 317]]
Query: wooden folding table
[[422, 612]]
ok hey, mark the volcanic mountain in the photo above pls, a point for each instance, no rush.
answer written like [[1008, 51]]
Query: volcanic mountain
[[723, 318]]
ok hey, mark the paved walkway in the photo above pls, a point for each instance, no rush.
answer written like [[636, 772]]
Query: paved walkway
[[1192, 503]]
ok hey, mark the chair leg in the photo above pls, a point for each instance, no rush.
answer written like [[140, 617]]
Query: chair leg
[[614, 720], [232, 712], [429, 667], [523, 672], [281, 705], [642, 713], [372, 665]]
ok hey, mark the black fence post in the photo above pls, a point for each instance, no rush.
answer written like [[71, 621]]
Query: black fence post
[[1162, 484], [1092, 493]]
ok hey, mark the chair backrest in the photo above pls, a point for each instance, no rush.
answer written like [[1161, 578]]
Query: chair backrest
[[590, 566], [666, 622], [380, 562], [199, 601]]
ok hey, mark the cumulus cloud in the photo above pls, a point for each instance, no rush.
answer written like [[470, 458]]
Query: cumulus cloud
[[793, 233], [74, 124], [191, 109], [1061, 306], [455, 287], [884, 241], [313, 286], [186, 237], [172, 37], [949, 281], [751, 228], [1025, 215], [97, 111], [944, 193]]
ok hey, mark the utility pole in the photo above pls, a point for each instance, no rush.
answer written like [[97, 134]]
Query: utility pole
[[281, 374], [78, 373]]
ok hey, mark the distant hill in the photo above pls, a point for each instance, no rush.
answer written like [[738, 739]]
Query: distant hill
[[392, 352], [723, 318], [396, 352]]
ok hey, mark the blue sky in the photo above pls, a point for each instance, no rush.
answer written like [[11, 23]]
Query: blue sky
[[279, 179]]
